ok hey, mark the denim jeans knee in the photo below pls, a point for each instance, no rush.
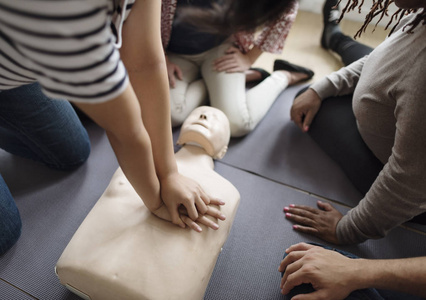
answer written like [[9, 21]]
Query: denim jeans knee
[[43, 129], [10, 220]]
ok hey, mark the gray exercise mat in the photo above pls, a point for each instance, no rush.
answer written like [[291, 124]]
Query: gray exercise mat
[[247, 266], [8, 292], [278, 150], [52, 205]]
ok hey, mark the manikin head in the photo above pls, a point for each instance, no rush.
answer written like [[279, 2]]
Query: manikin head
[[207, 127]]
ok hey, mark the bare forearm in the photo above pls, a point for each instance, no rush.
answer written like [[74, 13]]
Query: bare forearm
[[134, 155], [254, 54], [155, 106], [143, 56], [404, 275], [121, 120]]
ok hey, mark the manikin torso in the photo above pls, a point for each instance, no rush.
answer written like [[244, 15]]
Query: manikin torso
[[123, 251]]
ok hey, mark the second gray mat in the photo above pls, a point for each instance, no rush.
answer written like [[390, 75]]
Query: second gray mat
[[247, 267]]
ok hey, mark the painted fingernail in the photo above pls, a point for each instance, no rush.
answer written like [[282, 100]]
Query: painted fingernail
[[292, 205], [288, 214], [295, 226], [286, 208]]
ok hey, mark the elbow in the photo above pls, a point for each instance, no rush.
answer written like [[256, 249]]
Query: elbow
[[126, 135], [147, 66]]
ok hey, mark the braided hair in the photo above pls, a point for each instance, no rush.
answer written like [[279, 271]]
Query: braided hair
[[380, 8]]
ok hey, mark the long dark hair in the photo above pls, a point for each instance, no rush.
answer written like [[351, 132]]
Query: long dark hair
[[230, 16], [380, 8]]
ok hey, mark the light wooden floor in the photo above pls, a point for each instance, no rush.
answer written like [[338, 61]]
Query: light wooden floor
[[303, 44]]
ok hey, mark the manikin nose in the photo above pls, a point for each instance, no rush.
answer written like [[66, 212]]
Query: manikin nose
[[203, 117]]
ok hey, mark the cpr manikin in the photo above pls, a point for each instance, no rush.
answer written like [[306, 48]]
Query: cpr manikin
[[123, 251]]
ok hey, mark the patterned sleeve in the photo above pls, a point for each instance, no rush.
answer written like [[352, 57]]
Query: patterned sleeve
[[67, 46], [273, 37], [168, 10]]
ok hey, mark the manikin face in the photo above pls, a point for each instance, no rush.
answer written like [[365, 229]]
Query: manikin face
[[208, 127]]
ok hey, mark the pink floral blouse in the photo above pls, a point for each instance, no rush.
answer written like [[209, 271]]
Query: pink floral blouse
[[270, 39]]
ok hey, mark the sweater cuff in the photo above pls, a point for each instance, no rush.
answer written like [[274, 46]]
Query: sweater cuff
[[324, 88], [346, 232]]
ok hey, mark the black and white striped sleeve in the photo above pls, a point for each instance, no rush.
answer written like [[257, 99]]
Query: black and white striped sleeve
[[65, 45]]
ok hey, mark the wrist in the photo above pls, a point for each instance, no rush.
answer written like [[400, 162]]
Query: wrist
[[315, 95], [254, 54], [363, 272], [323, 88], [167, 176], [165, 164], [251, 59]]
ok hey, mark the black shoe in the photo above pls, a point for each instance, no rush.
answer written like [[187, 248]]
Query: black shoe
[[262, 72], [331, 16], [280, 64]]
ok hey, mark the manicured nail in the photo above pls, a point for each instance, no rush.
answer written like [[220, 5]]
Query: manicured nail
[[286, 208], [292, 205], [295, 226], [288, 214]]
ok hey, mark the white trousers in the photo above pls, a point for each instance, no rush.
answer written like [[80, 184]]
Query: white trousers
[[226, 91]]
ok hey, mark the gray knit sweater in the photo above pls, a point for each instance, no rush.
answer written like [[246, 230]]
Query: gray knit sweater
[[389, 102]]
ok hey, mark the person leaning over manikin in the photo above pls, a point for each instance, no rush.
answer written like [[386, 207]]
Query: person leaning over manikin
[[116, 77]]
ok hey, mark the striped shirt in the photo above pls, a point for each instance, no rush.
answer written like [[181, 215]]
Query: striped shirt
[[69, 46]]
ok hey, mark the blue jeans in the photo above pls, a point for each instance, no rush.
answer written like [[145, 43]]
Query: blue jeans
[[38, 128], [305, 288]]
